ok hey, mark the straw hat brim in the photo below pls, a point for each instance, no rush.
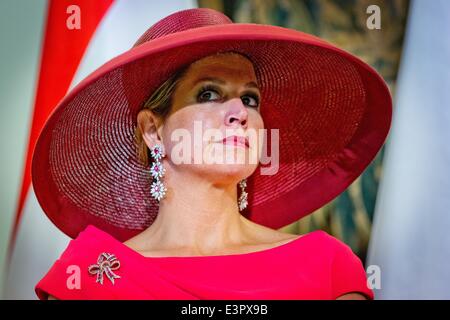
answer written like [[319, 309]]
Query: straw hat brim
[[333, 112]]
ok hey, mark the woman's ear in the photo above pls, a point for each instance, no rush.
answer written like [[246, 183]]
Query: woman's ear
[[150, 126]]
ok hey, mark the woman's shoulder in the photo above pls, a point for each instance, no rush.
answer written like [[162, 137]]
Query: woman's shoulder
[[337, 251], [340, 251], [333, 265], [348, 274], [67, 277], [322, 241], [325, 238], [318, 247]]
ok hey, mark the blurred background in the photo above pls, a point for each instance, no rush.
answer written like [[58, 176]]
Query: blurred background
[[394, 216]]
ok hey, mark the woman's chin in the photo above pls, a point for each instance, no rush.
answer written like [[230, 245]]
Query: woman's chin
[[230, 156], [226, 171]]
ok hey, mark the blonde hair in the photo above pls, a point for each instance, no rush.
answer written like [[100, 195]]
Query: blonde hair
[[160, 103]]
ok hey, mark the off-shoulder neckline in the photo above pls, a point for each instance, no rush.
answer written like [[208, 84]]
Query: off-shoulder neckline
[[285, 245]]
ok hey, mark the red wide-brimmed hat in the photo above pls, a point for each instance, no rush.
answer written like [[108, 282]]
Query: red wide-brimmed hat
[[332, 110]]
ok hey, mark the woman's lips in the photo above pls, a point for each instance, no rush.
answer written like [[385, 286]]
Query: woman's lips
[[236, 141]]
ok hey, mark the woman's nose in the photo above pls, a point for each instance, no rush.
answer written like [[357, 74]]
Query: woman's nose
[[237, 113]]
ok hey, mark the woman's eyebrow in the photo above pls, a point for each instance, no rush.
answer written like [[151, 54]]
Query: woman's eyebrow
[[209, 79], [250, 84]]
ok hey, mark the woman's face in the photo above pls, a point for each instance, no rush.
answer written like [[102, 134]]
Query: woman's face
[[218, 97]]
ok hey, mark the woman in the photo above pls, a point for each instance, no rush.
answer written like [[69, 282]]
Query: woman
[[148, 165]]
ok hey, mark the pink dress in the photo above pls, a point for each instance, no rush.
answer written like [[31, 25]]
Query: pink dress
[[314, 266]]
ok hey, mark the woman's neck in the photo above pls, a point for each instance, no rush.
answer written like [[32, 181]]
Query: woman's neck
[[198, 215]]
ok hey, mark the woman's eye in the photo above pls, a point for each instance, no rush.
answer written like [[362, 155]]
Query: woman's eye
[[250, 101], [208, 95]]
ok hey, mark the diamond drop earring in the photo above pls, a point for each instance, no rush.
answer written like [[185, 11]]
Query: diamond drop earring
[[243, 197], [158, 190]]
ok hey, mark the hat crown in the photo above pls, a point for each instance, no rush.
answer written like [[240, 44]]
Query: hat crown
[[181, 21]]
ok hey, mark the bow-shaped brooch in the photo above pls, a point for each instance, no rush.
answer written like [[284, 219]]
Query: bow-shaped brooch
[[106, 263]]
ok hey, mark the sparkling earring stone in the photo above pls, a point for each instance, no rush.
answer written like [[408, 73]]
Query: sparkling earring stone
[[157, 171], [243, 198]]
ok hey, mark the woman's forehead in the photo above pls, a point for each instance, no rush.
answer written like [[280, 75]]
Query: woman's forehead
[[221, 66]]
